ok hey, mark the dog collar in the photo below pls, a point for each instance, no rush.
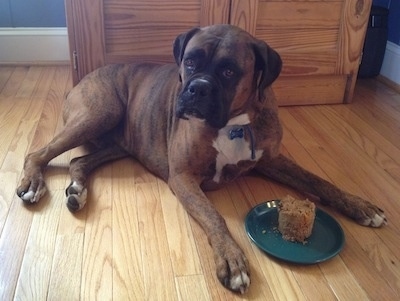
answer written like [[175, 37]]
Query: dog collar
[[239, 132]]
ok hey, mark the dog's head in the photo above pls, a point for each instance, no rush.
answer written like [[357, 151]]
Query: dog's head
[[222, 68]]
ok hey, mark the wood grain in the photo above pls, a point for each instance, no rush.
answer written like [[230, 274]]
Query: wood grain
[[245, 14], [309, 90], [157, 266], [289, 40], [179, 234], [127, 263], [65, 285], [143, 27], [351, 40], [299, 14], [323, 38], [214, 12], [28, 98], [133, 240], [85, 21]]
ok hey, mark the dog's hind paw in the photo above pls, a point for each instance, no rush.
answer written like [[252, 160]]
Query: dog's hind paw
[[376, 221], [364, 212], [76, 196]]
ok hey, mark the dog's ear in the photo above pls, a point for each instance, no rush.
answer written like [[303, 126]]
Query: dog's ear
[[181, 42], [267, 67]]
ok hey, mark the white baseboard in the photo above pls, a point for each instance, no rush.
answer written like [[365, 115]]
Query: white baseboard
[[33, 45], [391, 63]]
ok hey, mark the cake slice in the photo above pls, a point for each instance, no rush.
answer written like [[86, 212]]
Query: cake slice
[[296, 218]]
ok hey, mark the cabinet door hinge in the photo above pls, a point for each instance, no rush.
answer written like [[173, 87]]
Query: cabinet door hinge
[[75, 60]]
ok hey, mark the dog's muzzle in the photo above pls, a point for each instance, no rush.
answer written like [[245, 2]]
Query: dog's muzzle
[[201, 98], [195, 98]]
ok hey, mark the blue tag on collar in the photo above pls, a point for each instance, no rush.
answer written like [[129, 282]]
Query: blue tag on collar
[[236, 133]]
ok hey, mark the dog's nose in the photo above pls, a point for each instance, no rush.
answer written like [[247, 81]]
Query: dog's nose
[[199, 88]]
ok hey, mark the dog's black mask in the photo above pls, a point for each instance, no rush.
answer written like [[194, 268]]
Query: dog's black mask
[[203, 94], [211, 72]]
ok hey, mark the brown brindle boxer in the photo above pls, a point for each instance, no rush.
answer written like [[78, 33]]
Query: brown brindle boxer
[[196, 126]]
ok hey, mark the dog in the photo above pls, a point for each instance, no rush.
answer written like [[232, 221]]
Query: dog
[[197, 125]]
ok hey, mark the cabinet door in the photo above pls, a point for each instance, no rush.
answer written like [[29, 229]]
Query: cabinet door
[[110, 31], [320, 42]]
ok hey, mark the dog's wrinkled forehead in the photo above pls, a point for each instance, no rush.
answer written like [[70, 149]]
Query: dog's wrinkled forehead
[[215, 43]]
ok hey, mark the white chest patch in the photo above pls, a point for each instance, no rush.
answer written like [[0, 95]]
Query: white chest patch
[[231, 151]]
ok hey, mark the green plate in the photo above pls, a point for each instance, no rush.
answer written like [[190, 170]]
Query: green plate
[[326, 241]]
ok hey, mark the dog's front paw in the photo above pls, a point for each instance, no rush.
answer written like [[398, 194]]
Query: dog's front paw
[[32, 188], [232, 268], [76, 196], [365, 213]]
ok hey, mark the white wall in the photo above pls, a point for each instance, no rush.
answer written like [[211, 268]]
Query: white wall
[[391, 63], [33, 45]]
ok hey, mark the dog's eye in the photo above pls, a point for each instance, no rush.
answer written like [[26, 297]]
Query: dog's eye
[[190, 64], [228, 73]]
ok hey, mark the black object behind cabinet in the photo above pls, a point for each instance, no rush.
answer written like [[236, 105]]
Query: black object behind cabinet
[[375, 43]]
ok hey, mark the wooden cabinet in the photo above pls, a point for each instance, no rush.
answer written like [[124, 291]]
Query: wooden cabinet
[[320, 41], [109, 31]]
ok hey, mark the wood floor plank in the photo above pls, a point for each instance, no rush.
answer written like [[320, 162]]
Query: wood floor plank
[[381, 121], [13, 240], [66, 273], [157, 267], [11, 111], [30, 84], [127, 263], [5, 73], [192, 288], [374, 145], [373, 101], [51, 112], [13, 83], [342, 281], [313, 283], [179, 234], [37, 262], [97, 260], [23, 131], [366, 270], [34, 85]]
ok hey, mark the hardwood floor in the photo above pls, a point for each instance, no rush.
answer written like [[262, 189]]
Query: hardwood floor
[[134, 241]]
